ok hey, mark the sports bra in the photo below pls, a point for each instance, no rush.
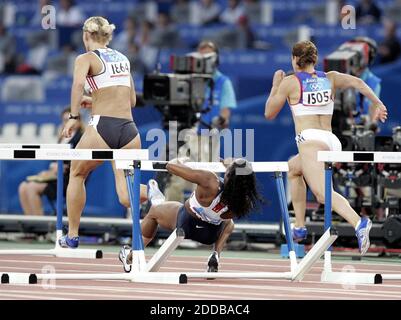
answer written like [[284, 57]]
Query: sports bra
[[316, 95], [212, 213], [116, 70]]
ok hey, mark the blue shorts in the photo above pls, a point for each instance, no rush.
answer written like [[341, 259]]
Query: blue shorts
[[196, 229]]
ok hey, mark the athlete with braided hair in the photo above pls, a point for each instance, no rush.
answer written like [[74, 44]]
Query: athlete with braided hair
[[207, 216]]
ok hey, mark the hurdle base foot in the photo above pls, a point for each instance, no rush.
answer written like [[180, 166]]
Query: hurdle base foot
[[141, 277], [389, 276], [239, 275], [158, 277], [78, 253], [19, 278], [351, 277]]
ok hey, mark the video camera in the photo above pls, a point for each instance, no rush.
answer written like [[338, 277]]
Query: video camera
[[352, 57], [180, 95]]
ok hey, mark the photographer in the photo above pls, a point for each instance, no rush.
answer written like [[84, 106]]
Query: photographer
[[202, 143]]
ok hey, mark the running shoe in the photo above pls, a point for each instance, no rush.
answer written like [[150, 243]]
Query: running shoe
[[299, 234], [213, 262], [155, 196], [67, 242], [126, 258], [362, 233]]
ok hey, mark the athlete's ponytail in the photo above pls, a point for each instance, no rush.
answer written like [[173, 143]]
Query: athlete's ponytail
[[100, 29], [306, 52]]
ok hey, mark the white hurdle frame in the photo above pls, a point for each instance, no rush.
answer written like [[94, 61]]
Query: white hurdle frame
[[297, 270], [142, 272], [57, 251], [328, 157]]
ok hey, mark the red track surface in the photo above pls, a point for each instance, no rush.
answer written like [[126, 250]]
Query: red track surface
[[309, 288]]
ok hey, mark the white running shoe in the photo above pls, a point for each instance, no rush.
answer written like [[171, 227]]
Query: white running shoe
[[125, 257], [155, 196]]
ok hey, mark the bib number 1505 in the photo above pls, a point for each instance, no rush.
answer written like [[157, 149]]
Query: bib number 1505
[[317, 98]]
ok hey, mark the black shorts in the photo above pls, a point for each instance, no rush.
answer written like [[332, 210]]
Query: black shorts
[[116, 132], [51, 189], [196, 229]]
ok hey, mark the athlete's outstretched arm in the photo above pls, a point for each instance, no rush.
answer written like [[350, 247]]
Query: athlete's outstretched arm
[[200, 177], [344, 81], [278, 95]]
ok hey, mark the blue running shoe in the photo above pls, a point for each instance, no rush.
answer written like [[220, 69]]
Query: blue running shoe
[[155, 196], [66, 242], [362, 233], [299, 234]]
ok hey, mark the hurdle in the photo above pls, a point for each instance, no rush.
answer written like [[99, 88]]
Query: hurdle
[[329, 157], [132, 162], [57, 251]]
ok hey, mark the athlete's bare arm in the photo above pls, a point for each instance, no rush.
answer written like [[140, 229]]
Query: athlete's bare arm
[[344, 81], [202, 178], [278, 95], [133, 94], [81, 70]]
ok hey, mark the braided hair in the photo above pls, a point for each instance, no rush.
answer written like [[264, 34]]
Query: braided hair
[[240, 192]]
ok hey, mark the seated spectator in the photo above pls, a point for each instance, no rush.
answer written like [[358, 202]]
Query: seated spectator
[[63, 62], [36, 57], [138, 66], [45, 182], [165, 34], [69, 15], [145, 33], [206, 12], [7, 51], [390, 48], [367, 12], [38, 16], [252, 9], [122, 40], [232, 13], [8, 11], [180, 11], [238, 37], [246, 37]]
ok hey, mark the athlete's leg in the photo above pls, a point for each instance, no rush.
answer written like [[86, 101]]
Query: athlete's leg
[[121, 183], [313, 172], [76, 193], [164, 214], [297, 189]]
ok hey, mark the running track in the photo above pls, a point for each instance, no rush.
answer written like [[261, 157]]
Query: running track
[[309, 288]]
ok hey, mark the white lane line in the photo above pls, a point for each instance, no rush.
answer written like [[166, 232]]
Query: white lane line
[[306, 290], [197, 294], [7, 295], [131, 294], [115, 266]]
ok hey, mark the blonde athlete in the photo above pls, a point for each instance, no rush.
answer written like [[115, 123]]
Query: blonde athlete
[[108, 74]]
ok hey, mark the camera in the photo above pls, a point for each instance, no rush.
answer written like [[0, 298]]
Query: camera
[[397, 138], [180, 96], [364, 140], [349, 58], [352, 57]]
